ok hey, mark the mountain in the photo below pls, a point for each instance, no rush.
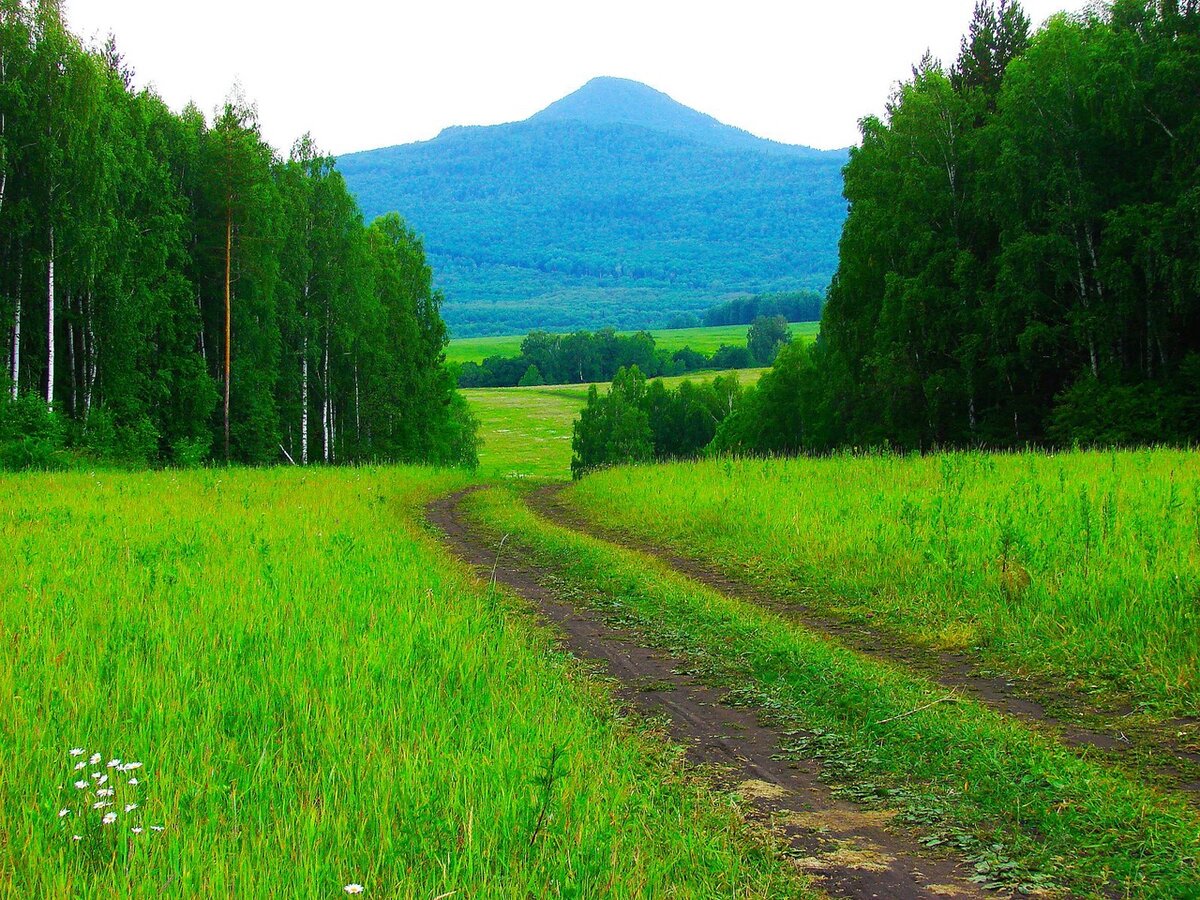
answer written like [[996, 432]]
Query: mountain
[[615, 205]]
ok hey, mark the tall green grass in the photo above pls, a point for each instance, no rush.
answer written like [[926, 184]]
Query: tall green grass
[[1025, 809], [318, 697], [1077, 565]]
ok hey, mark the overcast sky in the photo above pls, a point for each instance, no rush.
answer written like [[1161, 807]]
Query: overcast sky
[[361, 74]]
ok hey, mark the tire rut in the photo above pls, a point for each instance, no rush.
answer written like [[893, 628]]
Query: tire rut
[[1176, 766], [848, 851]]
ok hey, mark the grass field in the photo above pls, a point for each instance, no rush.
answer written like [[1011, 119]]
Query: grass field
[[526, 432], [702, 340], [1027, 811], [1083, 566], [317, 696]]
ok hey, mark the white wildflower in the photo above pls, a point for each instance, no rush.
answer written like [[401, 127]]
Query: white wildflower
[[109, 818], [354, 889], [157, 827], [100, 804], [63, 812], [133, 781], [77, 837], [129, 766], [138, 830], [130, 807], [97, 774], [95, 758], [79, 766], [105, 792], [102, 779], [77, 751], [113, 763], [81, 785]]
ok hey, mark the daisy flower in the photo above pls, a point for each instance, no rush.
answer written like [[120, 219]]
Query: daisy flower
[[77, 751], [354, 889], [109, 818], [63, 812]]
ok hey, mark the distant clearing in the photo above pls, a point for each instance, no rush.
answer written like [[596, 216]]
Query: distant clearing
[[526, 432], [702, 340]]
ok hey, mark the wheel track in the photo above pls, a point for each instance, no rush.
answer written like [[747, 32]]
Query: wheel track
[[957, 672], [849, 851]]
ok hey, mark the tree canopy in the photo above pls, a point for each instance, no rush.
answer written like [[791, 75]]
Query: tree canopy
[[153, 264]]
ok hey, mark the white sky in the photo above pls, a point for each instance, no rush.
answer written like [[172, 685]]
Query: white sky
[[361, 74]]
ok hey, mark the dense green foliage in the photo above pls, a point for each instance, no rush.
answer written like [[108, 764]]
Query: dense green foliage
[[634, 422], [583, 357], [798, 306], [127, 231], [1021, 262], [619, 207]]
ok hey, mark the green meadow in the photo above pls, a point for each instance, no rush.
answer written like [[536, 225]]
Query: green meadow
[[1025, 810], [313, 695], [703, 340], [525, 432], [1081, 566]]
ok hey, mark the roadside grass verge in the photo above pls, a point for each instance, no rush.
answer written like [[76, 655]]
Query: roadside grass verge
[[318, 696], [1081, 568], [1027, 811]]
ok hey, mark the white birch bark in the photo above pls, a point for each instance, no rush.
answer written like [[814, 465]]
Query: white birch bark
[[326, 423], [71, 361], [304, 402], [16, 348], [50, 324]]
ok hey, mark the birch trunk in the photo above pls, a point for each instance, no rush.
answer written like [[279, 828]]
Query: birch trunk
[[16, 347], [326, 416], [304, 401], [50, 324], [228, 305], [89, 357], [74, 381]]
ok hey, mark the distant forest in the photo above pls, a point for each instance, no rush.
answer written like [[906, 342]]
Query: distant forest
[[1021, 261], [580, 220], [582, 357], [174, 292], [799, 306]]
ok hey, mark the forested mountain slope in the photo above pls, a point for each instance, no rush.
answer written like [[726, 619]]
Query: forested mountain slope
[[613, 206]]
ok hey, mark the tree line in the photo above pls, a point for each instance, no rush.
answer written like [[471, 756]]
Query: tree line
[[797, 306], [175, 291], [639, 422], [1021, 261], [583, 356]]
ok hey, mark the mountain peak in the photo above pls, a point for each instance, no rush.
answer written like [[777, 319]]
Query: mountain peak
[[609, 101], [617, 101]]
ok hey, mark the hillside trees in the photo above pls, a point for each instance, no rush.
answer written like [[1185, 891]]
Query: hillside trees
[[1021, 262], [636, 422], [1021, 254], [173, 290]]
